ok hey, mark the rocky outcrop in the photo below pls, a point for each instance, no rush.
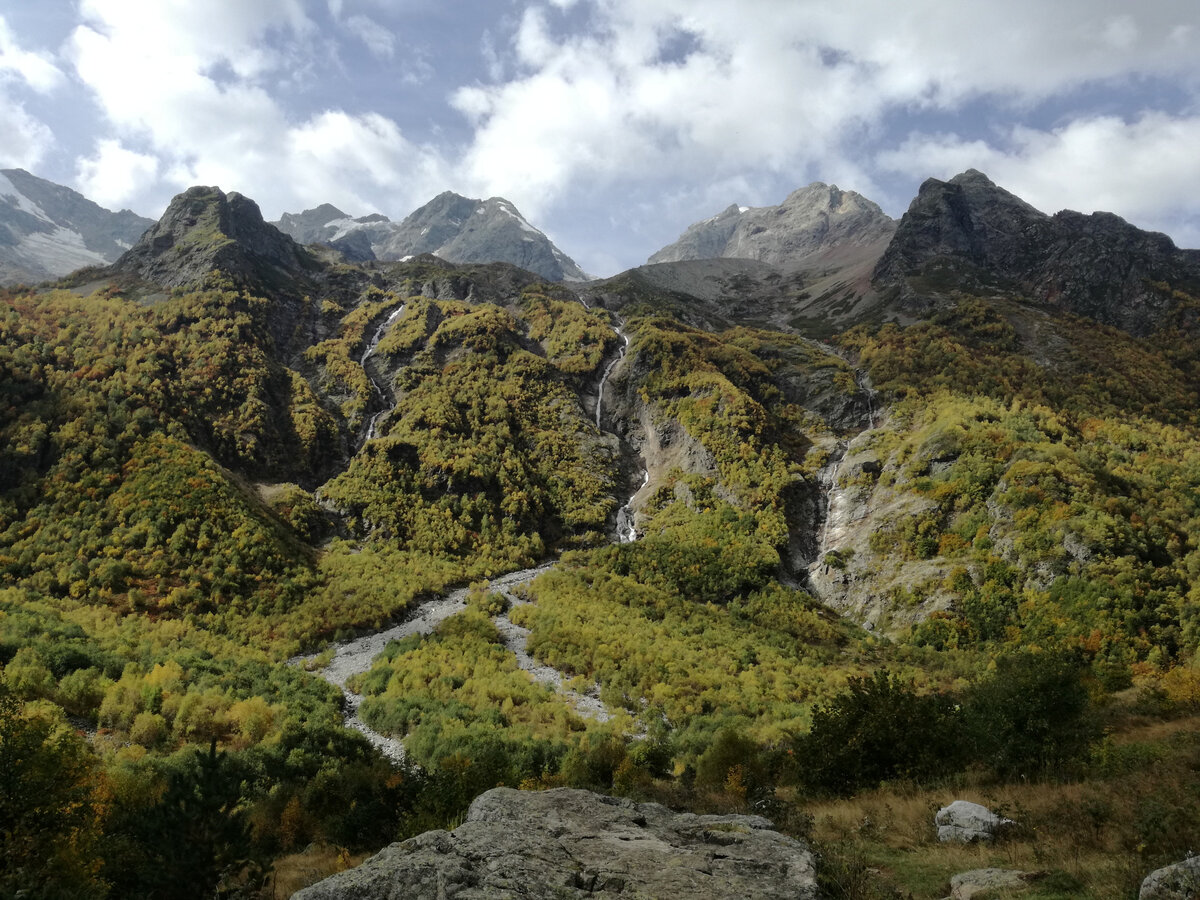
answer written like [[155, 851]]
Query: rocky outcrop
[[452, 227], [47, 230], [967, 822], [811, 221], [1180, 881], [969, 234], [204, 229], [568, 843]]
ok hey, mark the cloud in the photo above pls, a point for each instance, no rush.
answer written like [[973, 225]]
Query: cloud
[[781, 87], [1146, 170], [115, 173], [36, 70], [633, 110], [199, 88], [26, 139], [378, 39], [359, 160]]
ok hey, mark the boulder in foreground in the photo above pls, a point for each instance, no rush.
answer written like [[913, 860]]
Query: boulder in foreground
[[568, 843], [968, 822]]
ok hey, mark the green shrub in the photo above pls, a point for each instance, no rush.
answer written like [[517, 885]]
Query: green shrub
[[879, 729]]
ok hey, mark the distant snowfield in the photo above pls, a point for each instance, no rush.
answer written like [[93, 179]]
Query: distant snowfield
[[58, 252]]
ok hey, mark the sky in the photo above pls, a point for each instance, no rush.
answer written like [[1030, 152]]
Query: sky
[[611, 124]]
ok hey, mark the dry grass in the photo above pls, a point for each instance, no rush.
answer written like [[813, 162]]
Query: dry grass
[[1098, 837], [298, 870]]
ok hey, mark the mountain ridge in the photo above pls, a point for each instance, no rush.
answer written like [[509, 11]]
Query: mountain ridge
[[970, 232], [451, 226], [810, 224], [48, 230]]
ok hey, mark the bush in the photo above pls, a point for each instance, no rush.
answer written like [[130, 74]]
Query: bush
[[878, 730], [1031, 716]]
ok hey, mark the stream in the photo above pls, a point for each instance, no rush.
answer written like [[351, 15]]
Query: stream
[[369, 433], [354, 657]]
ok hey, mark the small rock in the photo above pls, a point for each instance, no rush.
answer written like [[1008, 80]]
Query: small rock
[[966, 822], [1180, 881], [966, 885]]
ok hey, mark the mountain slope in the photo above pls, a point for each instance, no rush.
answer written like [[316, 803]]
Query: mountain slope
[[47, 230]]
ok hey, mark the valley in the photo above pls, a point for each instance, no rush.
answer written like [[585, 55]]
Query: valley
[[321, 547]]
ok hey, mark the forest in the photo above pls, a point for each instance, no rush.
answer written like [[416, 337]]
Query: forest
[[186, 506]]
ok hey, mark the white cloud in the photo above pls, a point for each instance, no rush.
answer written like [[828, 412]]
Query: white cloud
[[198, 89], [37, 70], [357, 161], [378, 39], [26, 139], [780, 87], [115, 174], [653, 107]]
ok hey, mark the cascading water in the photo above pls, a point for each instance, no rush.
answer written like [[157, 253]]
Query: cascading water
[[375, 385], [626, 531], [608, 371]]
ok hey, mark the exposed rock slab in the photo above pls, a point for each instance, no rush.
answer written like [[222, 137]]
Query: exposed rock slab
[[966, 885], [568, 843], [967, 822], [1180, 881], [453, 227], [47, 230]]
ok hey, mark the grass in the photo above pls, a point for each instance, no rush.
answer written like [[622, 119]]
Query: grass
[[1136, 809], [298, 870]]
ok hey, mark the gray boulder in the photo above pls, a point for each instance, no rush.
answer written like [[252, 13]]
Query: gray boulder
[[967, 822], [1180, 881], [966, 885], [568, 843]]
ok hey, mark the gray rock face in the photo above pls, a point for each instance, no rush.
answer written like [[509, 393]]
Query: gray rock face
[[47, 230], [811, 223], [966, 885], [969, 234], [1180, 881], [966, 822], [567, 843], [205, 229], [356, 238], [453, 227]]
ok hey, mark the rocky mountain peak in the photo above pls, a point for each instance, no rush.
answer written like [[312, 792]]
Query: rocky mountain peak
[[811, 223], [970, 234], [450, 226], [460, 229], [205, 229], [308, 227]]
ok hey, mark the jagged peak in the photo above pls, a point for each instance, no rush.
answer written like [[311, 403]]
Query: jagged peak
[[204, 229], [326, 212]]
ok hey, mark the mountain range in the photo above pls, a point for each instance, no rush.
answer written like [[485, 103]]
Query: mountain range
[[449, 226], [310, 534]]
